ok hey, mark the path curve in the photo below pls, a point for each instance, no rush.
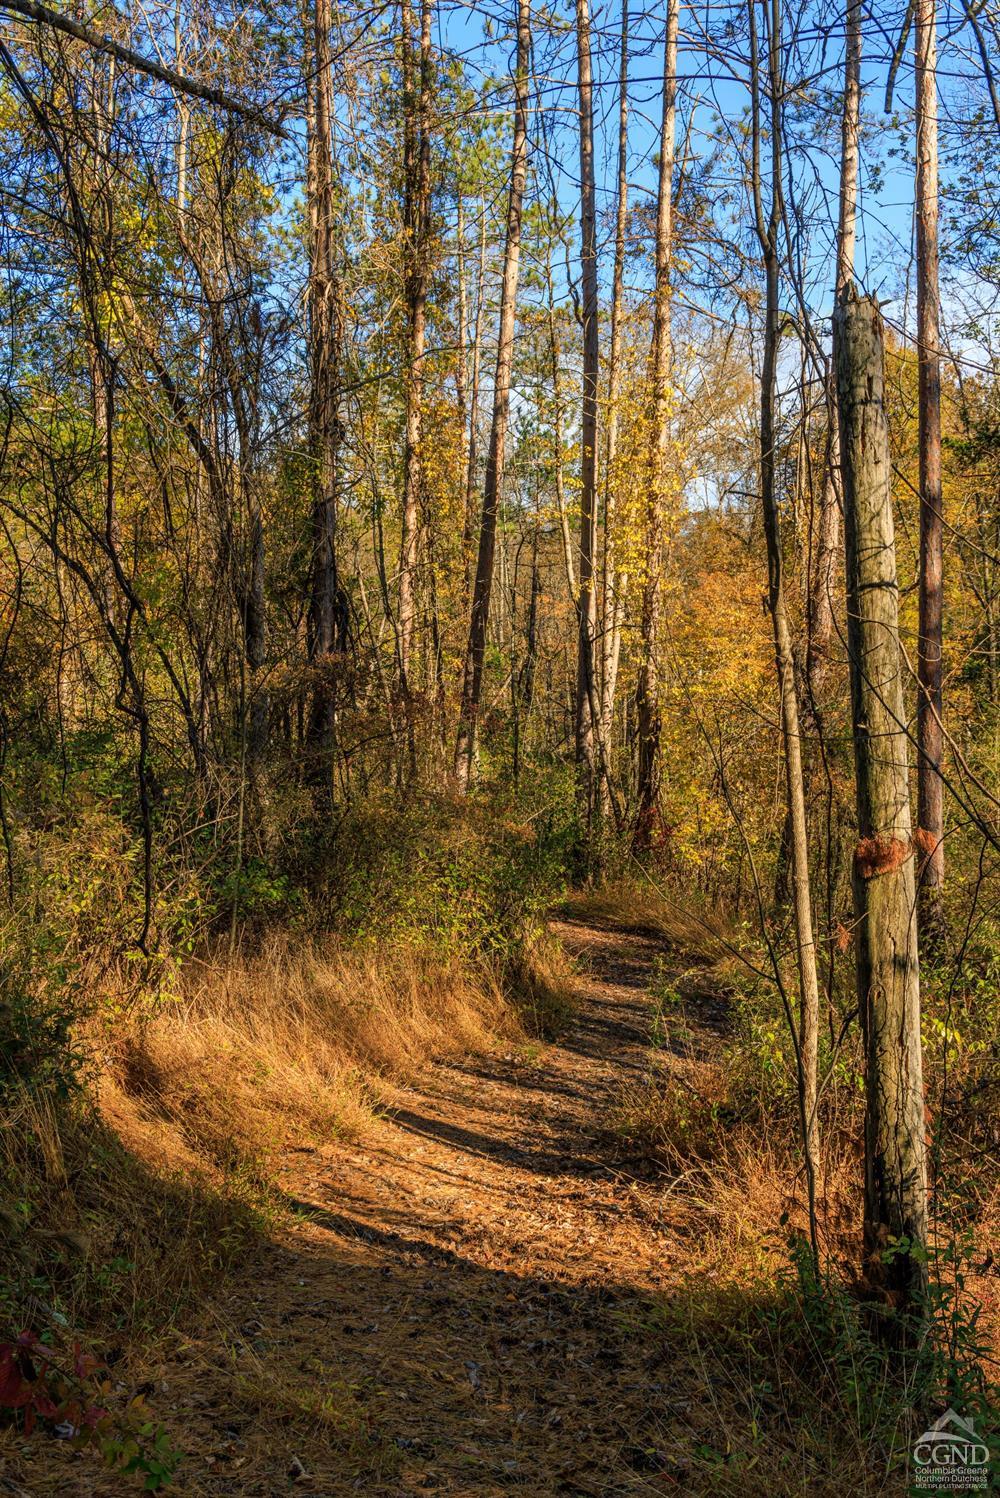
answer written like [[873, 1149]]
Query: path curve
[[464, 1304]]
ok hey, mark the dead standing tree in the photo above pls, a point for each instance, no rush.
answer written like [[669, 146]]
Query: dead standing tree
[[884, 881]]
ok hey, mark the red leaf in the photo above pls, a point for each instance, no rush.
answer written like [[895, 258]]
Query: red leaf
[[10, 1377]]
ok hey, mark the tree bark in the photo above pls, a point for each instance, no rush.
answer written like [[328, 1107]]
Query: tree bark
[[850, 146], [768, 231], [523, 679], [648, 685], [884, 882], [821, 610], [327, 610], [461, 363], [555, 356], [472, 450], [586, 595], [930, 787], [465, 748], [614, 582], [416, 188]]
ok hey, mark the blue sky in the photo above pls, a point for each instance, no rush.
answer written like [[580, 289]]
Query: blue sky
[[714, 95]]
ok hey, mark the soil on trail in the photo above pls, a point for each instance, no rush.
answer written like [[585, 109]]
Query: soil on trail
[[464, 1304]]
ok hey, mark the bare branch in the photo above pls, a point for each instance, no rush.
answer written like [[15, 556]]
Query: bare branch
[[31, 10]]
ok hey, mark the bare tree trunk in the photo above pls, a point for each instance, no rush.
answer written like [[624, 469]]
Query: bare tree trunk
[[884, 884], [586, 596], [465, 748], [461, 364], [416, 172], [523, 680], [768, 231], [255, 628], [472, 453], [555, 355], [183, 114], [850, 147], [327, 612], [648, 686], [822, 591], [614, 582], [930, 788]]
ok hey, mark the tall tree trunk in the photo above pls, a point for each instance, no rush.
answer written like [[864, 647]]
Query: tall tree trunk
[[614, 582], [465, 748], [850, 147], [183, 113], [472, 449], [462, 362], [648, 685], [555, 357], [930, 788], [884, 895], [327, 614], [768, 230], [586, 596], [255, 631], [416, 188], [821, 612], [523, 679]]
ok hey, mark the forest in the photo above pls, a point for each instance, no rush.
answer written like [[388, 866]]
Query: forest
[[499, 748]]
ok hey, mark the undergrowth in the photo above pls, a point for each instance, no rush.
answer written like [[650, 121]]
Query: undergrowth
[[149, 1097], [806, 1391], [797, 1394]]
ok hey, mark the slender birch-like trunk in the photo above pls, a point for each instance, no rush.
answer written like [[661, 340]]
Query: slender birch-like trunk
[[472, 449], [614, 581], [823, 585], [930, 739], [648, 686], [465, 748], [586, 595], [555, 358], [416, 188], [768, 229]]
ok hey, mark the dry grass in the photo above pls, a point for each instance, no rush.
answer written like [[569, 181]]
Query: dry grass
[[125, 1202], [543, 987], [671, 1120], [782, 1394], [105, 1236], [637, 905], [327, 1413], [292, 1044], [128, 1202], [757, 1394]]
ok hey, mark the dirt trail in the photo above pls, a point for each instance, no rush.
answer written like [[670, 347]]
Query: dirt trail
[[463, 1306]]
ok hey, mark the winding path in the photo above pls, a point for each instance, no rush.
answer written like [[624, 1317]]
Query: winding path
[[466, 1302]]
